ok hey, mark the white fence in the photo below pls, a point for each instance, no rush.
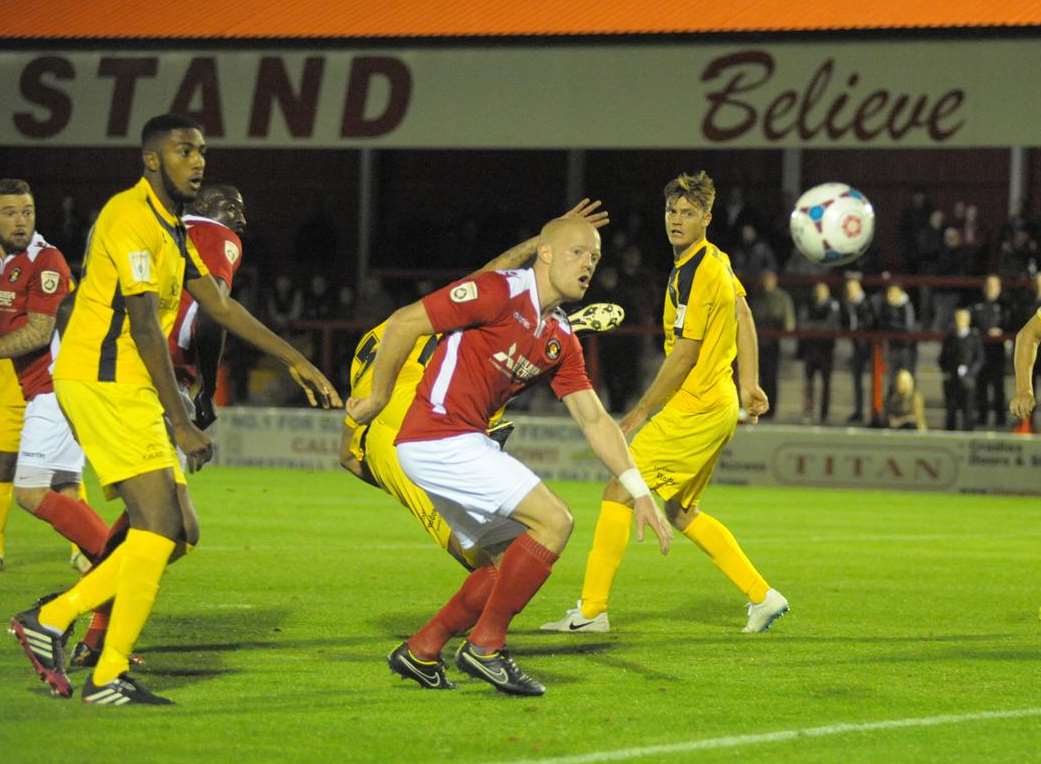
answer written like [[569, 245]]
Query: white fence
[[763, 455]]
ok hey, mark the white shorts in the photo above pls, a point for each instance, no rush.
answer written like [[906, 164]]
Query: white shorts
[[474, 485], [49, 454]]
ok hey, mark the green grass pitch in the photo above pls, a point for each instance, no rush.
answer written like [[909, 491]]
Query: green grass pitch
[[272, 636]]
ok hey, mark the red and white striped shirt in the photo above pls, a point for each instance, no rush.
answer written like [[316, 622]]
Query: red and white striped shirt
[[496, 343], [34, 280]]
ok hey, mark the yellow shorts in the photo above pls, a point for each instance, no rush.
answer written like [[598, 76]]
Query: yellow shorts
[[120, 427], [12, 408], [676, 451], [382, 460]]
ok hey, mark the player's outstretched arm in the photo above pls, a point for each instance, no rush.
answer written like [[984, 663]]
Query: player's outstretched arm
[[1025, 355], [753, 397], [667, 381], [151, 346], [33, 334], [404, 327], [239, 321], [608, 443], [518, 255]]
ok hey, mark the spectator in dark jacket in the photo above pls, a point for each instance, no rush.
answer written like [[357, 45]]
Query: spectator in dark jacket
[[858, 316], [990, 317], [772, 308], [818, 354], [960, 361], [895, 313]]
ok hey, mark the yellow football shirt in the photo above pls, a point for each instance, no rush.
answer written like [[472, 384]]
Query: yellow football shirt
[[701, 304], [12, 408], [136, 246], [404, 391]]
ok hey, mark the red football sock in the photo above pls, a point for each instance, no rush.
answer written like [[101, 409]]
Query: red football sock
[[74, 520], [525, 567], [95, 636], [461, 612], [116, 534]]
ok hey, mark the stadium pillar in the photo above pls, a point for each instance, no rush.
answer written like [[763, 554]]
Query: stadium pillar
[[366, 215], [878, 370], [791, 173], [1017, 178]]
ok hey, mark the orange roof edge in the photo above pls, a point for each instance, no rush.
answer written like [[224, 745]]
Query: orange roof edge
[[324, 19]]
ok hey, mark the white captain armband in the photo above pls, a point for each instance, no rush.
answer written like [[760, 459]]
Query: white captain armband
[[632, 482]]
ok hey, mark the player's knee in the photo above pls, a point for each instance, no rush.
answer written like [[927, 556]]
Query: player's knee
[[29, 499], [680, 516], [191, 533], [560, 522]]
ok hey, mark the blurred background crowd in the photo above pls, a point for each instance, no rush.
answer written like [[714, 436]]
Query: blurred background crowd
[[982, 281]]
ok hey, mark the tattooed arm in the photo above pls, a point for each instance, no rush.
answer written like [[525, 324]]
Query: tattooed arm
[[34, 334]]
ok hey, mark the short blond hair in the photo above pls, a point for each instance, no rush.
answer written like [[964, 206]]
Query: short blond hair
[[696, 189]]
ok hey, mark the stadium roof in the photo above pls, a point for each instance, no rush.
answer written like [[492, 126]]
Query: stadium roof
[[324, 19]]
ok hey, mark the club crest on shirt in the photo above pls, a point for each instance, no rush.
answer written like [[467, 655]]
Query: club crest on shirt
[[140, 265], [231, 252], [49, 281], [464, 292], [553, 349], [15, 273]]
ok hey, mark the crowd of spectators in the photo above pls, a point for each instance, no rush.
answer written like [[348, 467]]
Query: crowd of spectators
[[975, 321]]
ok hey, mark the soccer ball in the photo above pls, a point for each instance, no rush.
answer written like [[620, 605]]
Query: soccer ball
[[832, 224]]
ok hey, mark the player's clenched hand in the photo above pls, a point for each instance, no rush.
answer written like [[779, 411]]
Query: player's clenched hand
[[755, 402], [319, 389], [1022, 404], [648, 514], [196, 445], [589, 212]]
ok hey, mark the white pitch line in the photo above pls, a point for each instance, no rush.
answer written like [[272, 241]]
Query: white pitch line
[[896, 538], [736, 741]]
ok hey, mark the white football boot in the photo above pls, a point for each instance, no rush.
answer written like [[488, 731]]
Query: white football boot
[[761, 616], [597, 317], [574, 621]]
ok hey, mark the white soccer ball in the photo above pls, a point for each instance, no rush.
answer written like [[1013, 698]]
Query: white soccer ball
[[832, 224]]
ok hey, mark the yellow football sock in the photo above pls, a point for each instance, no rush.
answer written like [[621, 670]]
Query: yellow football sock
[[98, 586], [6, 489], [609, 542], [719, 544], [144, 561]]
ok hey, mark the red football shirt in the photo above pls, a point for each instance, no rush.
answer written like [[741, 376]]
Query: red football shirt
[[32, 281], [221, 249], [496, 344]]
